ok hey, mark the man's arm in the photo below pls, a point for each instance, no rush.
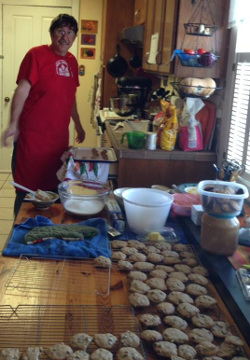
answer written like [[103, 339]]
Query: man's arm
[[19, 98], [79, 129]]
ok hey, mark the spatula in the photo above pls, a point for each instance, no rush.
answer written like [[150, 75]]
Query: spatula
[[34, 193]]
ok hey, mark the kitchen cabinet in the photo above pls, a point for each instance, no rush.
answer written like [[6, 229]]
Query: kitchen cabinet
[[143, 168], [161, 18], [217, 43], [140, 12]]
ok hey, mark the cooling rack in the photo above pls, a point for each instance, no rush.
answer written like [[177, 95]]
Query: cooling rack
[[45, 275], [43, 325]]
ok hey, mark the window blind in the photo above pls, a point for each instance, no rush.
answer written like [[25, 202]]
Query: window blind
[[239, 131]]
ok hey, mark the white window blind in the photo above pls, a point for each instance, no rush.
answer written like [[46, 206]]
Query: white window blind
[[239, 131]]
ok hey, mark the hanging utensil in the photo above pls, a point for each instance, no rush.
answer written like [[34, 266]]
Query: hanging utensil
[[117, 65], [135, 61]]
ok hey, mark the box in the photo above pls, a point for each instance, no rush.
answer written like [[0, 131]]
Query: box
[[116, 216], [196, 214]]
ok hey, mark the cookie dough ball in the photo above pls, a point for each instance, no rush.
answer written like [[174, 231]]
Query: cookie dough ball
[[136, 244], [151, 336], [166, 308], [10, 354], [198, 279], [124, 265], [129, 338], [102, 261], [137, 257], [174, 284], [143, 266], [156, 296], [157, 283], [220, 329], [199, 269], [158, 273], [138, 300], [196, 289], [178, 297], [187, 352], [32, 353], [202, 321], [129, 250], [178, 275], [183, 268], [78, 355], [187, 310], [165, 268], [206, 348], [165, 348], [118, 255], [128, 353], [80, 341], [117, 244], [150, 320], [174, 335], [198, 335], [101, 354], [58, 351], [105, 341], [139, 287], [205, 301], [175, 321], [155, 258], [137, 275]]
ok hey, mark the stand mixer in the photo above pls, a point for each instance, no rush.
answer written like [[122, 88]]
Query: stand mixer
[[132, 96]]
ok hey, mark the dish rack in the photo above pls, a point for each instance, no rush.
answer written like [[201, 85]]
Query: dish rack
[[54, 276], [46, 325]]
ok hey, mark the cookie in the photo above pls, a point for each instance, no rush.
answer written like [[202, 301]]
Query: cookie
[[187, 254], [129, 338], [180, 247], [174, 284], [190, 261], [175, 335], [200, 270], [187, 310], [198, 335], [137, 257], [156, 283], [165, 268], [137, 275], [151, 249], [128, 353], [58, 351], [170, 260], [205, 302], [124, 265], [162, 245], [80, 341], [217, 358], [105, 341], [235, 340], [158, 273], [196, 289], [198, 279], [227, 350], [31, 353], [151, 335], [165, 308], [206, 348], [139, 286], [136, 244], [176, 322], [101, 354], [78, 355], [178, 297], [183, 268], [170, 253], [150, 320], [10, 354], [143, 266], [117, 244], [127, 250], [138, 300], [156, 296], [118, 255], [220, 329], [178, 275], [202, 321], [165, 348], [187, 351], [155, 258], [102, 261]]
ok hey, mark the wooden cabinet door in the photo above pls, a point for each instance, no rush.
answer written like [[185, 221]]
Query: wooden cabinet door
[[161, 18], [140, 12]]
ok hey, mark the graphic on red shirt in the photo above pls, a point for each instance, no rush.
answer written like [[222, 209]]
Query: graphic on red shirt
[[62, 68]]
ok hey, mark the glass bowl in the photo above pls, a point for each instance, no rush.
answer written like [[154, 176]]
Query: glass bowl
[[83, 198], [43, 205]]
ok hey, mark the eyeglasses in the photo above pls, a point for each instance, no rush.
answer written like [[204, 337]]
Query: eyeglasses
[[60, 32]]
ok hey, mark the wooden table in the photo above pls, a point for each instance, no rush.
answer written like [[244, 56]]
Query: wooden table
[[118, 290]]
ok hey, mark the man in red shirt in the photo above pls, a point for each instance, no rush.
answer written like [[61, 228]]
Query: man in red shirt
[[43, 103]]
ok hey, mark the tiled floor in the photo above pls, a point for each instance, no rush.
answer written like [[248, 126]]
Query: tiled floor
[[7, 197]]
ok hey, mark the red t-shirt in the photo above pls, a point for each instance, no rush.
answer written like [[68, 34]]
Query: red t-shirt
[[44, 122]]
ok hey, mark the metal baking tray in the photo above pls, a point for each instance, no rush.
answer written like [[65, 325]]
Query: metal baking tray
[[46, 325], [94, 154], [47, 275]]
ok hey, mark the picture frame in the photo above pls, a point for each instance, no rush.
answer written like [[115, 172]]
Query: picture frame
[[89, 26], [88, 39], [87, 53]]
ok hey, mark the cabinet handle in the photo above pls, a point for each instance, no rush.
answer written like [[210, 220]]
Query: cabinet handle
[[147, 56], [137, 14]]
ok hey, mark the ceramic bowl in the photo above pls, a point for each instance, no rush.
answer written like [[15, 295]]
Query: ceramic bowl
[[44, 205]]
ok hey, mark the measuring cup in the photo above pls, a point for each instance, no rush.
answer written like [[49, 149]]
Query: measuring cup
[[136, 139]]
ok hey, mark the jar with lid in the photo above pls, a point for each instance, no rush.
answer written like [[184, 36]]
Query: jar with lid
[[219, 235]]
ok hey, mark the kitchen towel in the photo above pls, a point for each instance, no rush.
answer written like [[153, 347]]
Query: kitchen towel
[[88, 248]]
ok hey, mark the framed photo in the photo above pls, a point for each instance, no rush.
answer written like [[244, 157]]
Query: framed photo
[[89, 26], [88, 39], [87, 53]]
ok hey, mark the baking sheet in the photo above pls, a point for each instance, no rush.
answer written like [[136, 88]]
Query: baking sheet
[[94, 154]]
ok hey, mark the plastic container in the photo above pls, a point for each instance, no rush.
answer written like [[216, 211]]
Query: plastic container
[[182, 204], [136, 139], [146, 208], [221, 198]]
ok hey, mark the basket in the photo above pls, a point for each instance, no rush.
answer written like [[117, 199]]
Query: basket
[[200, 29], [196, 60], [202, 92]]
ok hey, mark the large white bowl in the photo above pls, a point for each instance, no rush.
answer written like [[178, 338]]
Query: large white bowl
[[84, 197], [146, 208], [118, 196]]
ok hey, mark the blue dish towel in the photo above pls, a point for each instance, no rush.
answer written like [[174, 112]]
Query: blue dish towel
[[88, 248]]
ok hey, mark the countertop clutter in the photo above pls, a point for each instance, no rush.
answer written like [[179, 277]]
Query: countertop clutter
[[158, 299]]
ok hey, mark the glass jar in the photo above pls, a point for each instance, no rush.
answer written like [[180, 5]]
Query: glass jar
[[219, 235]]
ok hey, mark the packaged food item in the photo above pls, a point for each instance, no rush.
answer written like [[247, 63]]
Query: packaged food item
[[168, 129]]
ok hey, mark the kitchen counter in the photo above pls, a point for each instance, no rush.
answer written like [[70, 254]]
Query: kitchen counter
[[147, 167], [73, 294]]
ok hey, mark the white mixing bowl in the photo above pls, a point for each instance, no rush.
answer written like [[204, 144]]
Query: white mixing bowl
[[146, 208]]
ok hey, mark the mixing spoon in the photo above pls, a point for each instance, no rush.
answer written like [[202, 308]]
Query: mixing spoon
[[34, 193]]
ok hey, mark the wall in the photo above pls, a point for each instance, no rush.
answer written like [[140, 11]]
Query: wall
[[89, 10]]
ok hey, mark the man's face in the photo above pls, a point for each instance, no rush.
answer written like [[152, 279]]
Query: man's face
[[62, 39]]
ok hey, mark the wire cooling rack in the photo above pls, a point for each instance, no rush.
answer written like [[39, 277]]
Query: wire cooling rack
[[59, 275], [43, 325]]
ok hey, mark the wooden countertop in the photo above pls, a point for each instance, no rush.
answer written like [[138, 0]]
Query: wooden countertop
[[122, 151], [72, 296]]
